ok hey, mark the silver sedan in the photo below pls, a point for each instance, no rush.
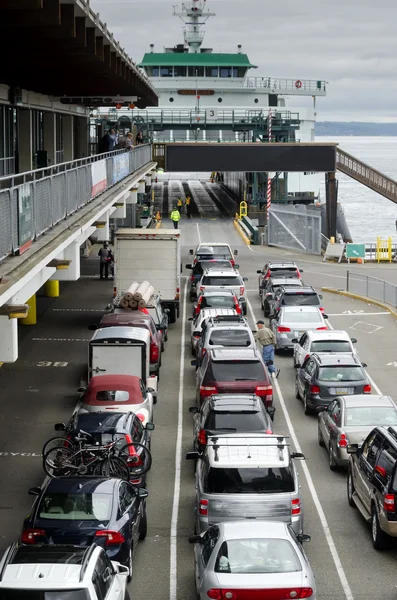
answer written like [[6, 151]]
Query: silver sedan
[[260, 559], [291, 323], [348, 420]]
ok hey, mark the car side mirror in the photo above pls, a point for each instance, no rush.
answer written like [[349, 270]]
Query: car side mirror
[[60, 427], [295, 341], [150, 390], [236, 266], [320, 296], [188, 266], [81, 390], [300, 270], [325, 316], [192, 455], [353, 341], [298, 455], [143, 493], [195, 539], [150, 426], [194, 410], [122, 570], [190, 319], [235, 252], [259, 271], [109, 306], [193, 363], [272, 316], [245, 278], [364, 365], [93, 327], [34, 491], [352, 448], [303, 537], [191, 252], [270, 411]]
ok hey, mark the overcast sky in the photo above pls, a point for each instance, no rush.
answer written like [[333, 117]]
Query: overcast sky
[[352, 44]]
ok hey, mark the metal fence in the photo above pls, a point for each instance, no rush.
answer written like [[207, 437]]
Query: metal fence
[[371, 287], [295, 227], [33, 202]]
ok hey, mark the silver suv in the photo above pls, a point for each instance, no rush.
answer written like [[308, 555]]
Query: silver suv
[[225, 331], [225, 280], [240, 476]]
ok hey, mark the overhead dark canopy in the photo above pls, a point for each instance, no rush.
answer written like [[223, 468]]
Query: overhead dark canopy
[[60, 48]]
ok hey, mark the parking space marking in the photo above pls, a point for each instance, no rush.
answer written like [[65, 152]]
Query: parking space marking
[[48, 363], [61, 339], [198, 233], [365, 327], [77, 310], [323, 520], [178, 461], [34, 454]]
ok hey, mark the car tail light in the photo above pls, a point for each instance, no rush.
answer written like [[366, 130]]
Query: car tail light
[[267, 276], [192, 278], [197, 336], [268, 431], [296, 506], [178, 294], [342, 440], [314, 389], [202, 437], [242, 290], [154, 352], [283, 329], [238, 308], [29, 536], [112, 537], [203, 507], [114, 292], [307, 356], [298, 273], [322, 309], [389, 503], [208, 390], [140, 416], [202, 288], [367, 389], [232, 262], [263, 390], [321, 328]]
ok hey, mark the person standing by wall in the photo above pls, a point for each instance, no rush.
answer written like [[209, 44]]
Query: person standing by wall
[[104, 254], [175, 216], [180, 205], [105, 143], [125, 142], [113, 138], [188, 207], [267, 340]]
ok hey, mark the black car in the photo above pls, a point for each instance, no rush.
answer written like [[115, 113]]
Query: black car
[[239, 413], [286, 269], [296, 295], [103, 428], [322, 377], [80, 511], [198, 268], [272, 285]]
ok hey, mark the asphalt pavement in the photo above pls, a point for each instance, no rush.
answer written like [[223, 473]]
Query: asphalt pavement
[[40, 389]]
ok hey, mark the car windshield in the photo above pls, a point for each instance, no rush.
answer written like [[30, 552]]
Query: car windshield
[[271, 480], [302, 318], [113, 396], [370, 416], [219, 280], [72, 594], [218, 302], [338, 373], [239, 421], [257, 556], [235, 370], [154, 314], [76, 507], [300, 299], [221, 252], [230, 337], [331, 346]]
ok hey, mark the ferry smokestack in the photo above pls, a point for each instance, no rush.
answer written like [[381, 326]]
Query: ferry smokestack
[[239, 46], [151, 48]]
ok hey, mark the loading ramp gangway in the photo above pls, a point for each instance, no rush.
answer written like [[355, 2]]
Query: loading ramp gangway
[[368, 176]]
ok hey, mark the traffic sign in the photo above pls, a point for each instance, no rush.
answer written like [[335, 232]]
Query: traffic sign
[[355, 251]]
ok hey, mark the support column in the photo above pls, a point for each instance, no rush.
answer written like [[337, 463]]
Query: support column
[[82, 137], [8, 340], [31, 319], [103, 232], [331, 204], [50, 137], [68, 138], [51, 289], [25, 140]]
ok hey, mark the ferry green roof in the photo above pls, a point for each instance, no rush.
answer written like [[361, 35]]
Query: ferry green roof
[[185, 59]]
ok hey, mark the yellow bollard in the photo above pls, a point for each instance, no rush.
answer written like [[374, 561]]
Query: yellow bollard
[[31, 319], [332, 240], [51, 288]]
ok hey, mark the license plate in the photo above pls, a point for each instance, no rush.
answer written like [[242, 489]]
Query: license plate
[[298, 334], [340, 391]]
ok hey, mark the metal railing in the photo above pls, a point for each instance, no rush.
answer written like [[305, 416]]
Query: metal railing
[[297, 85], [371, 287], [32, 203], [7, 165], [360, 171]]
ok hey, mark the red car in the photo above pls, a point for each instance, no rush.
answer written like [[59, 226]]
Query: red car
[[233, 371]]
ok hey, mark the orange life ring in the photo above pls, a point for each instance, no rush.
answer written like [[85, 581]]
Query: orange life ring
[[298, 84]]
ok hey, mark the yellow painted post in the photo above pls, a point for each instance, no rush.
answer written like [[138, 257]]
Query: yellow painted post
[[243, 209], [51, 288], [31, 319]]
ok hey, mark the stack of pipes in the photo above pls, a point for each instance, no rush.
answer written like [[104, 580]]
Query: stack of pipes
[[137, 295]]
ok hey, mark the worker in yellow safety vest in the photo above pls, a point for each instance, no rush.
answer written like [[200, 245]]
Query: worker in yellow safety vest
[[175, 216], [188, 207]]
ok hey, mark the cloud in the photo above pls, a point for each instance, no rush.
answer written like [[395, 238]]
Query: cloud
[[351, 44]]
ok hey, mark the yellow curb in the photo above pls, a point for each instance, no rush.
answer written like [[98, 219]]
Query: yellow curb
[[362, 298], [246, 240]]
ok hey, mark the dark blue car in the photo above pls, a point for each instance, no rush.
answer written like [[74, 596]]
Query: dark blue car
[[84, 510]]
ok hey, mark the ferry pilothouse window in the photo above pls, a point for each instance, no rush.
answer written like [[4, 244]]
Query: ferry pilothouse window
[[225, 72], [156, 71], [212, 71], [166, 71], [195, 71], [180, 71]]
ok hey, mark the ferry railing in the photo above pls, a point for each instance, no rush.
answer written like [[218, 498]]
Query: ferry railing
[[371, 287], [297, 85], [32, 203]]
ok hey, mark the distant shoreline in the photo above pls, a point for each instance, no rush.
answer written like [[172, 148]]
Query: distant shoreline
[[329, 128]]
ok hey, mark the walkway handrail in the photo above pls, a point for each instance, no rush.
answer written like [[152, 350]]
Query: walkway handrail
[[299, 85], [371, 287], [368, 176]]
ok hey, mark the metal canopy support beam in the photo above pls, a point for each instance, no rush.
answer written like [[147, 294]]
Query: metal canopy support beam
[[331, 204]]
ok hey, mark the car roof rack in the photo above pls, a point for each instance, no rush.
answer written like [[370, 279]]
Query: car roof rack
[[222, 318], [9, 555], [86, 559]]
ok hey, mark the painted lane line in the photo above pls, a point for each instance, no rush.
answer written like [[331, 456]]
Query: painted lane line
[[356, 314], [198, 233], [178, 462], [61, 339], [100, 310], [330, 326], [321, 514], [21, 454]]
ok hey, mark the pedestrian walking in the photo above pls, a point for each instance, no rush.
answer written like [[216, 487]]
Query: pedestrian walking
[[188, 207], [105, 144], [180, 204], [267, 340], [113, 138], [175, 216], [104, 255]]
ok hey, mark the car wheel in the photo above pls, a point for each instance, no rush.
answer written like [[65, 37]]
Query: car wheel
[[129, 565], [166, 336], [193, 351], [297, 394], [266, 311], [350, 489], [379, 538], [333, 465], [162, 346], [244, 309], [143, 526], [320, 437], [127, 595], [307, 409]]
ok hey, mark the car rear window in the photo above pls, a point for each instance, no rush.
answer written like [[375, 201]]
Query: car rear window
[[331, 346], [113, 396], [221, 252], [235, 370], [230, 337], [340, 373], [301, 317], [286, 272], [236, 421], [218, 302], [300, 299], [370, 416], [257, 556], [218, 280], [264, 480], [76, 507], [72, 594]]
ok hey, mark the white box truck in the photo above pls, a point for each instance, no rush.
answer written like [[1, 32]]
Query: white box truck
[[152, 255]]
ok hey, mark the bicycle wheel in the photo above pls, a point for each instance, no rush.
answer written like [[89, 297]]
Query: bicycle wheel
[[112, 467], [59, 462], [138, 458], [57, 442]]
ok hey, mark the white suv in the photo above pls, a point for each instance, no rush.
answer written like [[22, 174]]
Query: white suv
[[57, 572], [225, 280]]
